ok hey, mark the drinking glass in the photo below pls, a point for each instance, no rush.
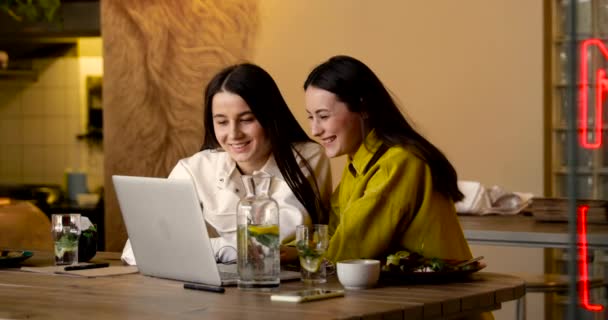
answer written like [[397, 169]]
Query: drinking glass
[[65, 228], [312, 242]]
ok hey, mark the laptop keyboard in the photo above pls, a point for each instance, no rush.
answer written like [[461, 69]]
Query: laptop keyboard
[[229, 275], [228, 271]]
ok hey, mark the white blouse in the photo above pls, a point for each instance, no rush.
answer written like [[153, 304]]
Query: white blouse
[[219, 187]]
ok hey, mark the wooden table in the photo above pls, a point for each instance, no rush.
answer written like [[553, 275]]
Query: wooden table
[[41, 296], [523, 231]]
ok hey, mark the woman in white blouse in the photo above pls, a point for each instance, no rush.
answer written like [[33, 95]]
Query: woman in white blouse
[[250, 130]]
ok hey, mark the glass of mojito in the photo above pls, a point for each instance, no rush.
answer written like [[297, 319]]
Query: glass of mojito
[[65, 228], [312, 242]]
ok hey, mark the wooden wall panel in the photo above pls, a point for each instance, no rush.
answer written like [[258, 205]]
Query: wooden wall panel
[[158, 56]]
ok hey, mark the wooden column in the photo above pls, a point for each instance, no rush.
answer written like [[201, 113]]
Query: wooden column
[[158, 57]]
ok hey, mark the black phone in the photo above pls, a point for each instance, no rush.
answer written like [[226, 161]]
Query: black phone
[[306, 295]]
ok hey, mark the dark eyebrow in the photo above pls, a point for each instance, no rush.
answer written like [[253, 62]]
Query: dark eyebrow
[[317, 112], [245, 113]]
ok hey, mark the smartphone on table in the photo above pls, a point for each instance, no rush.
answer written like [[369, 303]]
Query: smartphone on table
[[306, 295]]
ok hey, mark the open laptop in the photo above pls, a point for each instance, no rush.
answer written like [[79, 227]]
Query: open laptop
[[165, 223]]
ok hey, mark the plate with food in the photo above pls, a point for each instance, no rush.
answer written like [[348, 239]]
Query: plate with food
[[11, 258], [411, 267]]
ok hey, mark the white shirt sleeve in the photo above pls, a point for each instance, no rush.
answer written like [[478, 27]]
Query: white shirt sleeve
[[321, 167], [293, 212], [179, 172], [223, 249]]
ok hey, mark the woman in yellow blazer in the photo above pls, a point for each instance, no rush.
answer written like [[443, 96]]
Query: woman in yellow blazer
[[397, 190]]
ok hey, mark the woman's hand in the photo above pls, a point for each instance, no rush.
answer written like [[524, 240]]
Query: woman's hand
[[288, 254]]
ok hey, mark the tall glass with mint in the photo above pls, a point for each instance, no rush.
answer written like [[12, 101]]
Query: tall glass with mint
[[65, 228], [312, 242]]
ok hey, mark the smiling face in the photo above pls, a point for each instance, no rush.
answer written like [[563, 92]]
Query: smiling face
[[238, 132], [338, 129]]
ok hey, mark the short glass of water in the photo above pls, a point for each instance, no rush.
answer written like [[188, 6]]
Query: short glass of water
[[66, 233], [312, 242]]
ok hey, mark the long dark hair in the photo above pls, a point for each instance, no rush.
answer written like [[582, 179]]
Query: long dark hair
[[355, 84], [262, 95]]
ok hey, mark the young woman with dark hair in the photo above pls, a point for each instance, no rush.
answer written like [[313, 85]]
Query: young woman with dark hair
[[281, 129], [250, 130], [397, 190]]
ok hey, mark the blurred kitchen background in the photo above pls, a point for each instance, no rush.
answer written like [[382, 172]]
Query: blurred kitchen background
[[50, 111], [43, 122]]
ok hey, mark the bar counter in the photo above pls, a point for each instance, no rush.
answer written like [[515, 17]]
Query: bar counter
[[525, 231]]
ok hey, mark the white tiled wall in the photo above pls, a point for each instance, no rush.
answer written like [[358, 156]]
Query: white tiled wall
[[39, 122]]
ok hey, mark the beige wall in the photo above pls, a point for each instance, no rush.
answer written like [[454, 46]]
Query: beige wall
[[468, 73]]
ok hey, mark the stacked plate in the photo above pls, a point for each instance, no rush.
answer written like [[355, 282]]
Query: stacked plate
[[556, 209]]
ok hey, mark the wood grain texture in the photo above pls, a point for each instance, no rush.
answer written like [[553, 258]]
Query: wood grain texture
[[38, 296], [158, 57]]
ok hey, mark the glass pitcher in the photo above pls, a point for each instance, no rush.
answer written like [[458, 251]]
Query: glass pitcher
[[258, 261]]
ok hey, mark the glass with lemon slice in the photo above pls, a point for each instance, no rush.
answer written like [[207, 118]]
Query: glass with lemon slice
[[258, 236], [312, 242]]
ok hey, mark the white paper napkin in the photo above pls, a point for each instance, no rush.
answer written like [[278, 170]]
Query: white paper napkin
[[495, 200]]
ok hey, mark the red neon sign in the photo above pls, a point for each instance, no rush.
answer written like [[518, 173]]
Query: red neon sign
[[601, 87], [582, 262]]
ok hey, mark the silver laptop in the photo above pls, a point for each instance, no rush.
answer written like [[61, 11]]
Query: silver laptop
[[168, 233]]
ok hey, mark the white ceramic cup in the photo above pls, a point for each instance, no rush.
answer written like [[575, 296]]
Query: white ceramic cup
[[358, 273]]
